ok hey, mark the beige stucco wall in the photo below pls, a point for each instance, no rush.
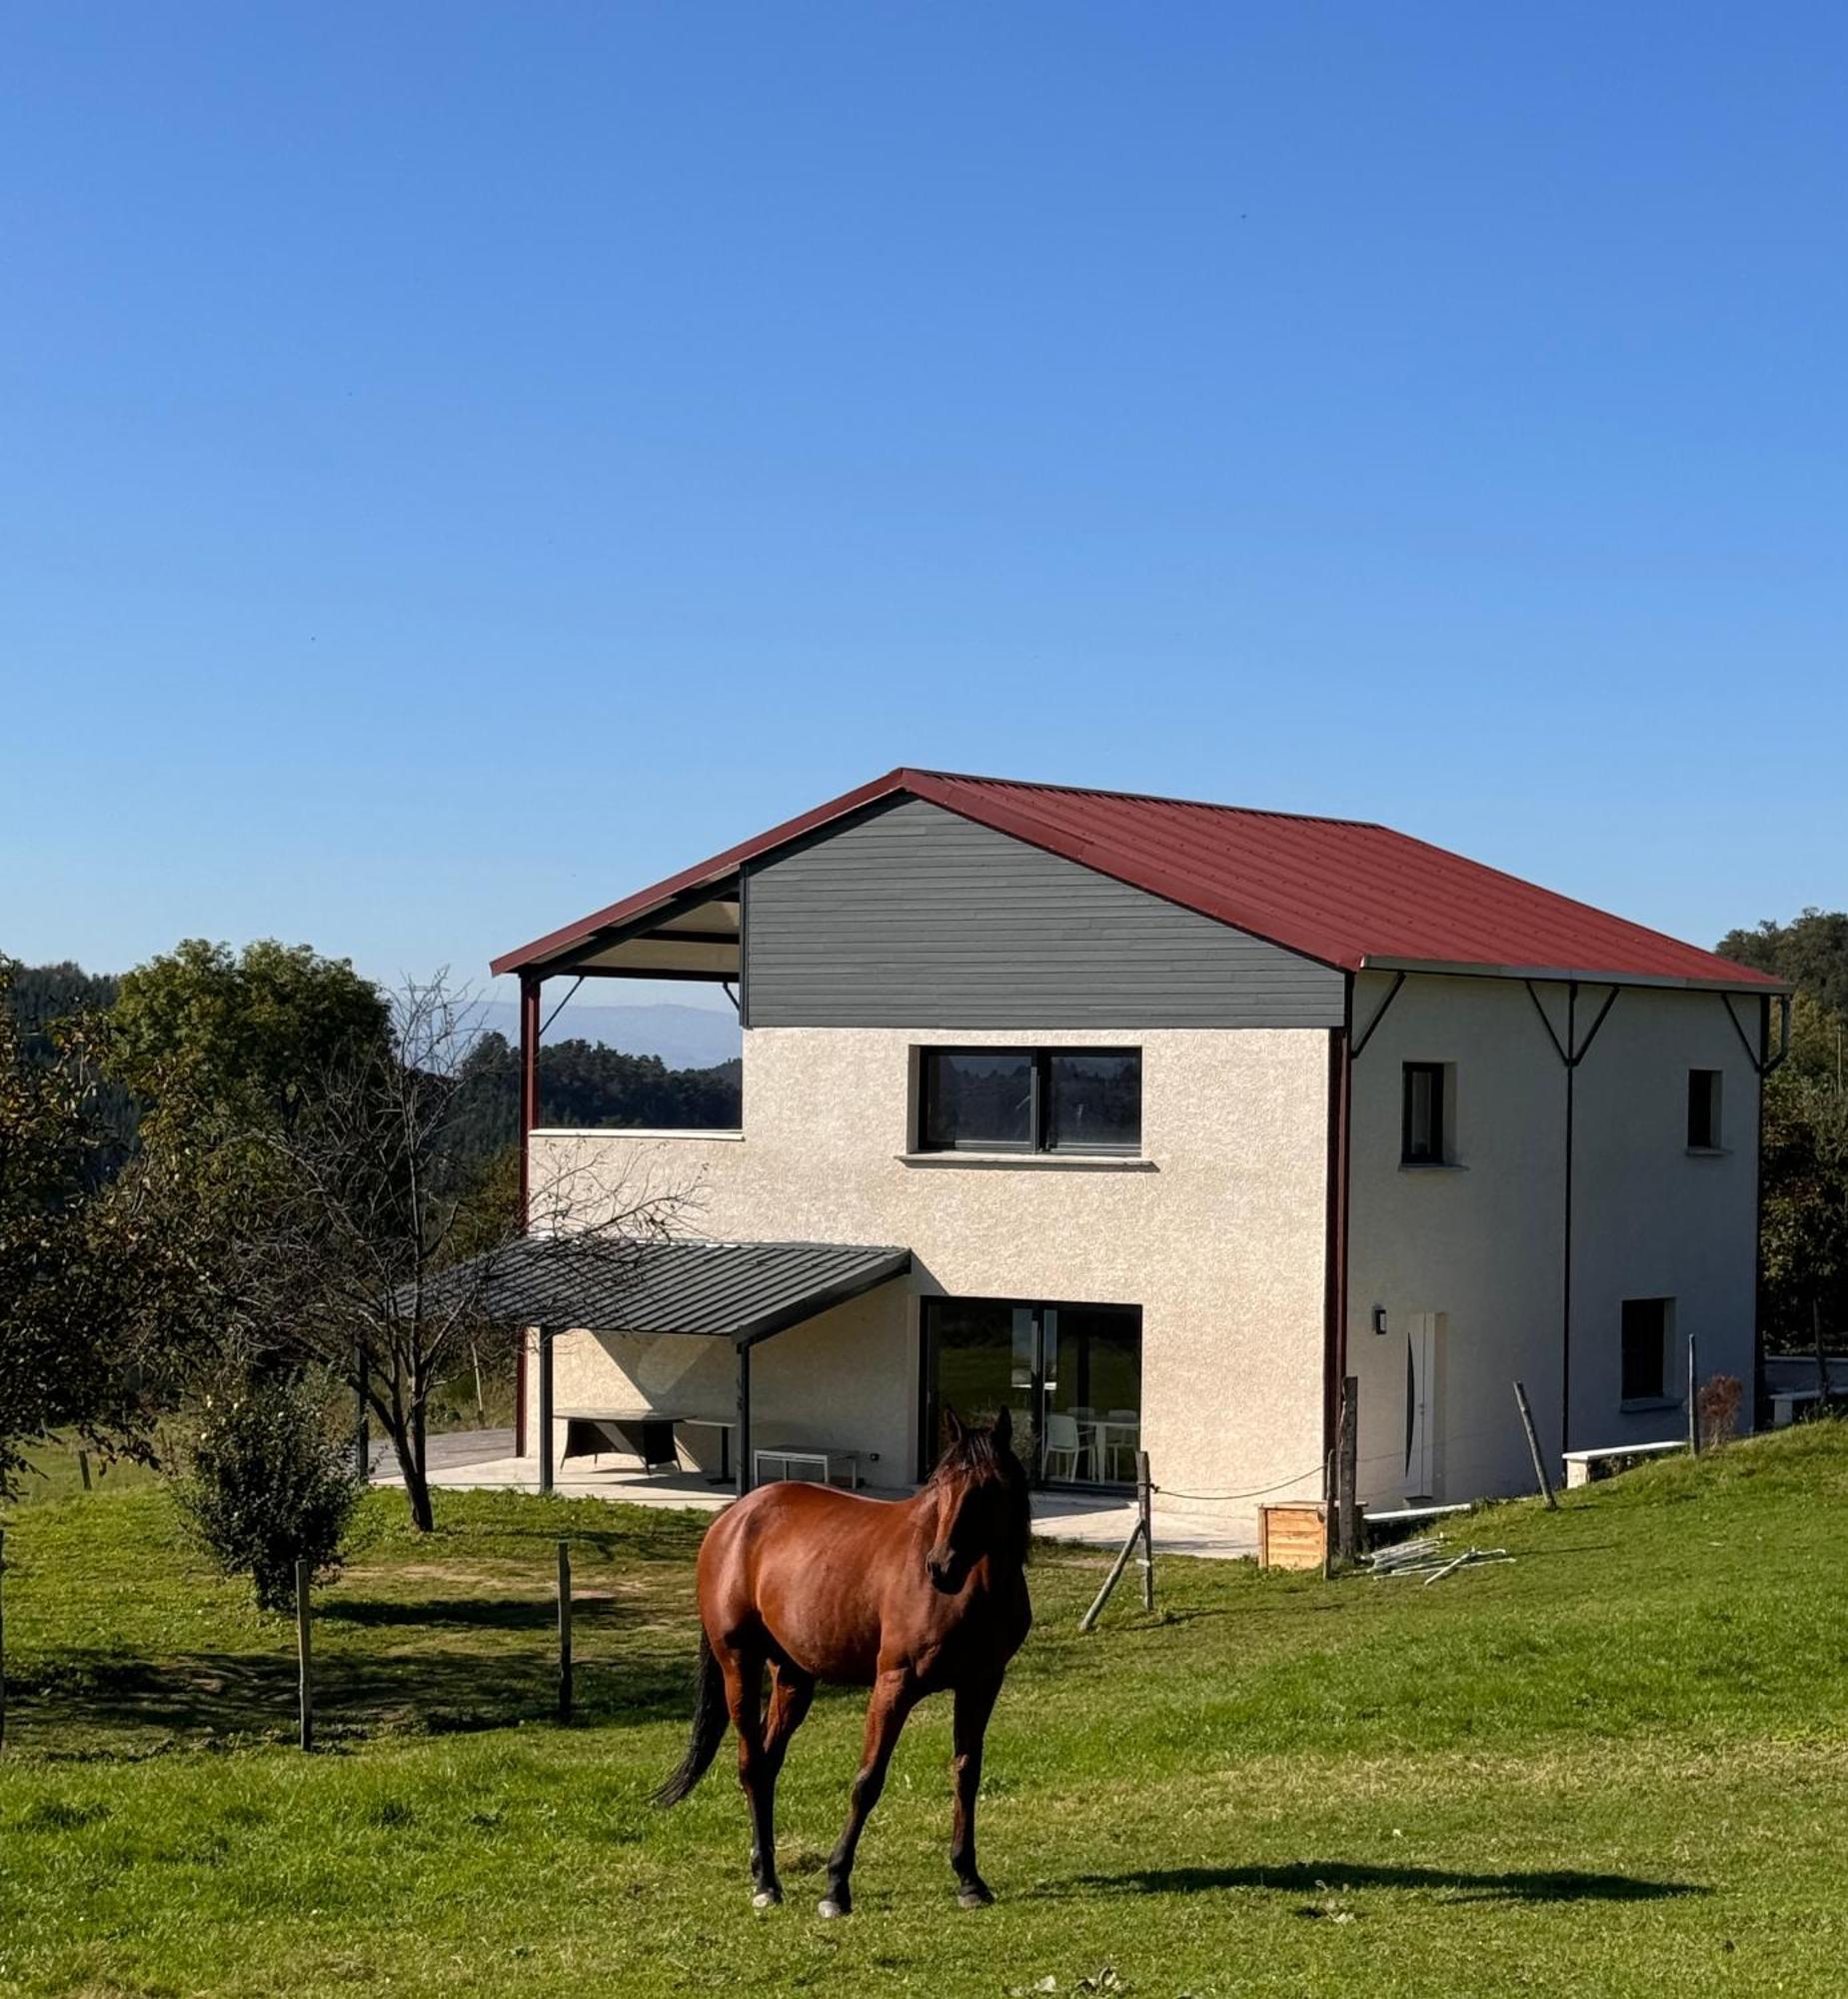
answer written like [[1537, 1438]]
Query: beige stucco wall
[[1482, 1244], [1217, 1233]]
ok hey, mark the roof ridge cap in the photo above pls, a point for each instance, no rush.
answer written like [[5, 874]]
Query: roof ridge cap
[[1140, 797]]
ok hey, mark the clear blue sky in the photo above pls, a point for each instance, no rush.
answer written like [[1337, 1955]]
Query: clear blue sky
[[458, 464]]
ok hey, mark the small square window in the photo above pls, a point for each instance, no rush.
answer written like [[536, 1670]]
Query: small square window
[[1422, 1135], [1645, 1348], [1704, 1109]]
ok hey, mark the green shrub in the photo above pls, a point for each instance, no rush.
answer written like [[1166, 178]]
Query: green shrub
[[268, 1486]]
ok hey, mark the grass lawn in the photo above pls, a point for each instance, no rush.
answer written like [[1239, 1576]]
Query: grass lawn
[[1619, 1764]]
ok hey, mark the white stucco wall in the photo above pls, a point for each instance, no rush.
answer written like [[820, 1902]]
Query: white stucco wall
[[1217, 1233], [1482, 1242]]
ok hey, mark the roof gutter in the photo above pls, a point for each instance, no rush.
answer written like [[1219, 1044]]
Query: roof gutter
[[1756, 983]]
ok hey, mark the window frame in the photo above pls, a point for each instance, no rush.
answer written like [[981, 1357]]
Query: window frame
[[1037, 1144], [1659, 1396], [1714, 1100], [1439, 1074]]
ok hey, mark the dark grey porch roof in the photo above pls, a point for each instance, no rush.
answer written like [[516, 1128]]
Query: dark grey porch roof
[[741, 1291]]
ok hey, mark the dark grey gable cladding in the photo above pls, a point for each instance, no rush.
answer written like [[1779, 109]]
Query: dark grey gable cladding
[[913, 916]]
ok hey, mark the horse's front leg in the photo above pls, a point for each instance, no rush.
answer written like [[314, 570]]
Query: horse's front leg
[[974, 1703], [894, 1694]]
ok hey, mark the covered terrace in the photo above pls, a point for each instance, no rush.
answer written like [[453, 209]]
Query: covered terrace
[[741, 1293]]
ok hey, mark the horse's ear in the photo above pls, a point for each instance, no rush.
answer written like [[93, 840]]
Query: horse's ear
[[1004, 1427], [952, 1424]]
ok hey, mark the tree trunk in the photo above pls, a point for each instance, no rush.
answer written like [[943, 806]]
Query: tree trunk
[[414, 1469], [416, 1491]]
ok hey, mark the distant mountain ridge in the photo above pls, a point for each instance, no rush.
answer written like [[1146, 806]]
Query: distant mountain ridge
[[681, 1037]]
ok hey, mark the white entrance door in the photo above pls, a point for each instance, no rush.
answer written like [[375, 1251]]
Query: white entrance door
[[1420, 1405]]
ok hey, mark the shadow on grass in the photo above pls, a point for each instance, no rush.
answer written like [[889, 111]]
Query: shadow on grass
[[487, 1613], [1309, 1877], [91, 1703]]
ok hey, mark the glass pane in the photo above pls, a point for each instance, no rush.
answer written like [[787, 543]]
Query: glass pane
[[1097, 1100], [1645, 1340], [981, 1360], [1421, 1110], [1093, 1393], [979, 1100]]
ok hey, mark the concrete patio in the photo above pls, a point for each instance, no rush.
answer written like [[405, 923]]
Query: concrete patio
[[464, 1459]]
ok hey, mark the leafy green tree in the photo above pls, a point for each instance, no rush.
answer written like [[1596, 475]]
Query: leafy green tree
[[1811, 950], [1804, 1161], [1805, 1180], [93, 1283], [249, 1037], [267, 1485]]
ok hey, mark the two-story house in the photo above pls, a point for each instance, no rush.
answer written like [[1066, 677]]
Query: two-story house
[[1156, 1119]]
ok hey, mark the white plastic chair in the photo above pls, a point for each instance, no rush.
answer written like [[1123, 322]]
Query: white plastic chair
[[1125, 1435], [1090, 1436], [1062, 1441]]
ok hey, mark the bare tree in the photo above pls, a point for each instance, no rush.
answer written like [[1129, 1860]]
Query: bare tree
[[382, 1255]]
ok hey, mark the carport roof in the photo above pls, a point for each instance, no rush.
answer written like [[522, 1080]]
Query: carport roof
[[741, 1291]]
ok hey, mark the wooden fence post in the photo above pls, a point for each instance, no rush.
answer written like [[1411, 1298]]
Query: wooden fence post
[[1330, 1487], [1693, 1396], [83, 1469], [2, 1637], [564, 1634], [1140, 1531], [304, 1652], [1348, 1469], [1533, 1448]]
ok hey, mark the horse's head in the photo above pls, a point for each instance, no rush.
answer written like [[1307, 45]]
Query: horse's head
[[981, 1506]]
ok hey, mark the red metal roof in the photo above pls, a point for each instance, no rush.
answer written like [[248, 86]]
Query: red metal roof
[[1345, 891]]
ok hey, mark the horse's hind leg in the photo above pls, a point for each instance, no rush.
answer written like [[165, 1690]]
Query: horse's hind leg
[[974, 1703], [744, 1693], [790, 1693], [893, 1696]]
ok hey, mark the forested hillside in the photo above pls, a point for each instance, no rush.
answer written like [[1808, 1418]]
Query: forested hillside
[[585, 1083], [579, 1083]]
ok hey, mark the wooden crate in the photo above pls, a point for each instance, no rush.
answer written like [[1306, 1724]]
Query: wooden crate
[[1293, 1534]]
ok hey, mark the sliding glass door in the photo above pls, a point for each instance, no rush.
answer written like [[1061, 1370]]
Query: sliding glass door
[[1070, 1374]]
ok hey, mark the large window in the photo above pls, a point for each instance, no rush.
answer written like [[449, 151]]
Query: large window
[[1646, 1326], [1070, 1374], [1030, 1101]]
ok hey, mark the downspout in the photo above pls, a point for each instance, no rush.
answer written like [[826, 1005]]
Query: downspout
[[1764, 1065], [1571, 1052], [529, 1119], [1758, 1216], [1345, 1048], [1566, 1315], [1334, 1285]]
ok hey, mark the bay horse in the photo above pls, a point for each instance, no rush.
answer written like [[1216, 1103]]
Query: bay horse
[[908, 1597]]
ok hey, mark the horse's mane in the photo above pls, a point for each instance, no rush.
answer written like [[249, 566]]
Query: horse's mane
[[977, 1458]]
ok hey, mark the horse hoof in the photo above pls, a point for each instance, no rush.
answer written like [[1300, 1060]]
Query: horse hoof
[[767, 1898], [830, 1906], [975, 1895]]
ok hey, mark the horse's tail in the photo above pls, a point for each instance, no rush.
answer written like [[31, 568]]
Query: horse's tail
[[710, 1721]]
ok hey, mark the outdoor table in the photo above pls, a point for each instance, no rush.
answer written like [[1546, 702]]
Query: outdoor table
[[650, 1434]]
